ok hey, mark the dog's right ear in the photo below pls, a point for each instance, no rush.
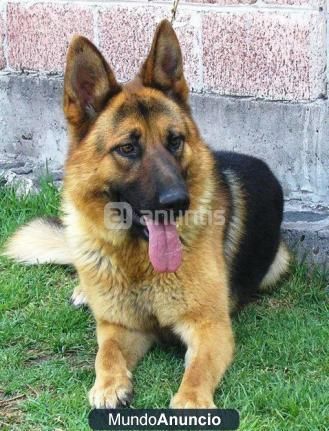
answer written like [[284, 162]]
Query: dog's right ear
[[88, 84]]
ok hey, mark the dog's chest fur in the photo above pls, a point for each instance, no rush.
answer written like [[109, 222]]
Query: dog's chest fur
[[144, 305], [122, 288]]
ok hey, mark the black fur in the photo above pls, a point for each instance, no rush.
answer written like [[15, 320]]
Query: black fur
[[140, 107], [261, 230]]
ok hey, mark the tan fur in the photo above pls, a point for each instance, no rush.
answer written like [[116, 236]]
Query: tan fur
[[132, 304], [38, 242], [278, 268], [119, 351]]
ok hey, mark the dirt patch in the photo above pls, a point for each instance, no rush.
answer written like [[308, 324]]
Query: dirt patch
[[279, 303], [11, 413]]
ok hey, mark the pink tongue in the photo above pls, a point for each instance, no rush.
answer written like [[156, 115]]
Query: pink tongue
[[165, 248]]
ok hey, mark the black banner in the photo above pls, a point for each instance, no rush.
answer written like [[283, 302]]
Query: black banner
[[164, 419]]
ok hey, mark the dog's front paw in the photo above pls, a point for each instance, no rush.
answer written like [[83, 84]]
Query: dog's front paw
[[112, 392], [78, 298], [192, 400]]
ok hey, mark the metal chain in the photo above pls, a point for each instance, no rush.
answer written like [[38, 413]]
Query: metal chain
[[174, 10]]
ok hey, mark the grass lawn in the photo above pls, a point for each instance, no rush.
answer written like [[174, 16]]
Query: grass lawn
[[279, 379]]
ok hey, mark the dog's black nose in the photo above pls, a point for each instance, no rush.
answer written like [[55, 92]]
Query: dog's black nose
[[175, 199]]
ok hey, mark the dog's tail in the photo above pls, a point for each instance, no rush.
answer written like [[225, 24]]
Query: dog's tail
[[279, 267], [40, 241]]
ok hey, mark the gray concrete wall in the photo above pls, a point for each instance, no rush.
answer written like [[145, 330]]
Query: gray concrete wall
[[31, 118], [292, 137]]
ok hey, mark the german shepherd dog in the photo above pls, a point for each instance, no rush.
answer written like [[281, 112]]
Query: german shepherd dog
[[138, 145]]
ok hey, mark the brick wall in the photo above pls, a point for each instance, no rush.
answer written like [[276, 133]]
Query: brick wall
[[270, 49]]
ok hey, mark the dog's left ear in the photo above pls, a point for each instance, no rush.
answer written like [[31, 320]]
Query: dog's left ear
[[163, 68]]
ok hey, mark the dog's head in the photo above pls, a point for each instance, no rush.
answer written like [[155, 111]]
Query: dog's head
[[134, 143]]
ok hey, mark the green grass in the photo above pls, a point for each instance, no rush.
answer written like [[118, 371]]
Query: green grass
[[279, 379]]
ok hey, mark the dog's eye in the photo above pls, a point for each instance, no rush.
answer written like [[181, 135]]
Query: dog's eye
[[128, 150], [175, 143]]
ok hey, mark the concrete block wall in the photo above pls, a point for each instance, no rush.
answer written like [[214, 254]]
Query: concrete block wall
[[257, 70]]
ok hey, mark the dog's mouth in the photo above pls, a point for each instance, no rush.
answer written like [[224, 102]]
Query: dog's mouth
[[165, 247], [139, 226]]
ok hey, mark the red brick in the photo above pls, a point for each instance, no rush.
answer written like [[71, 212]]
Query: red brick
[[265, 54], [125, 36], [222, 2], [39, 34], [216, 2], [186, 26], [2, 40], [304, 3]]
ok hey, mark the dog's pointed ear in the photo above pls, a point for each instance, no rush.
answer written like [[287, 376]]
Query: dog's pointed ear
[[88, 84], [163, 68]]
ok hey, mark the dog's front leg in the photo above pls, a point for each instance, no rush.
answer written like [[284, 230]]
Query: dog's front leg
[[210, 348], [118, 352]]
